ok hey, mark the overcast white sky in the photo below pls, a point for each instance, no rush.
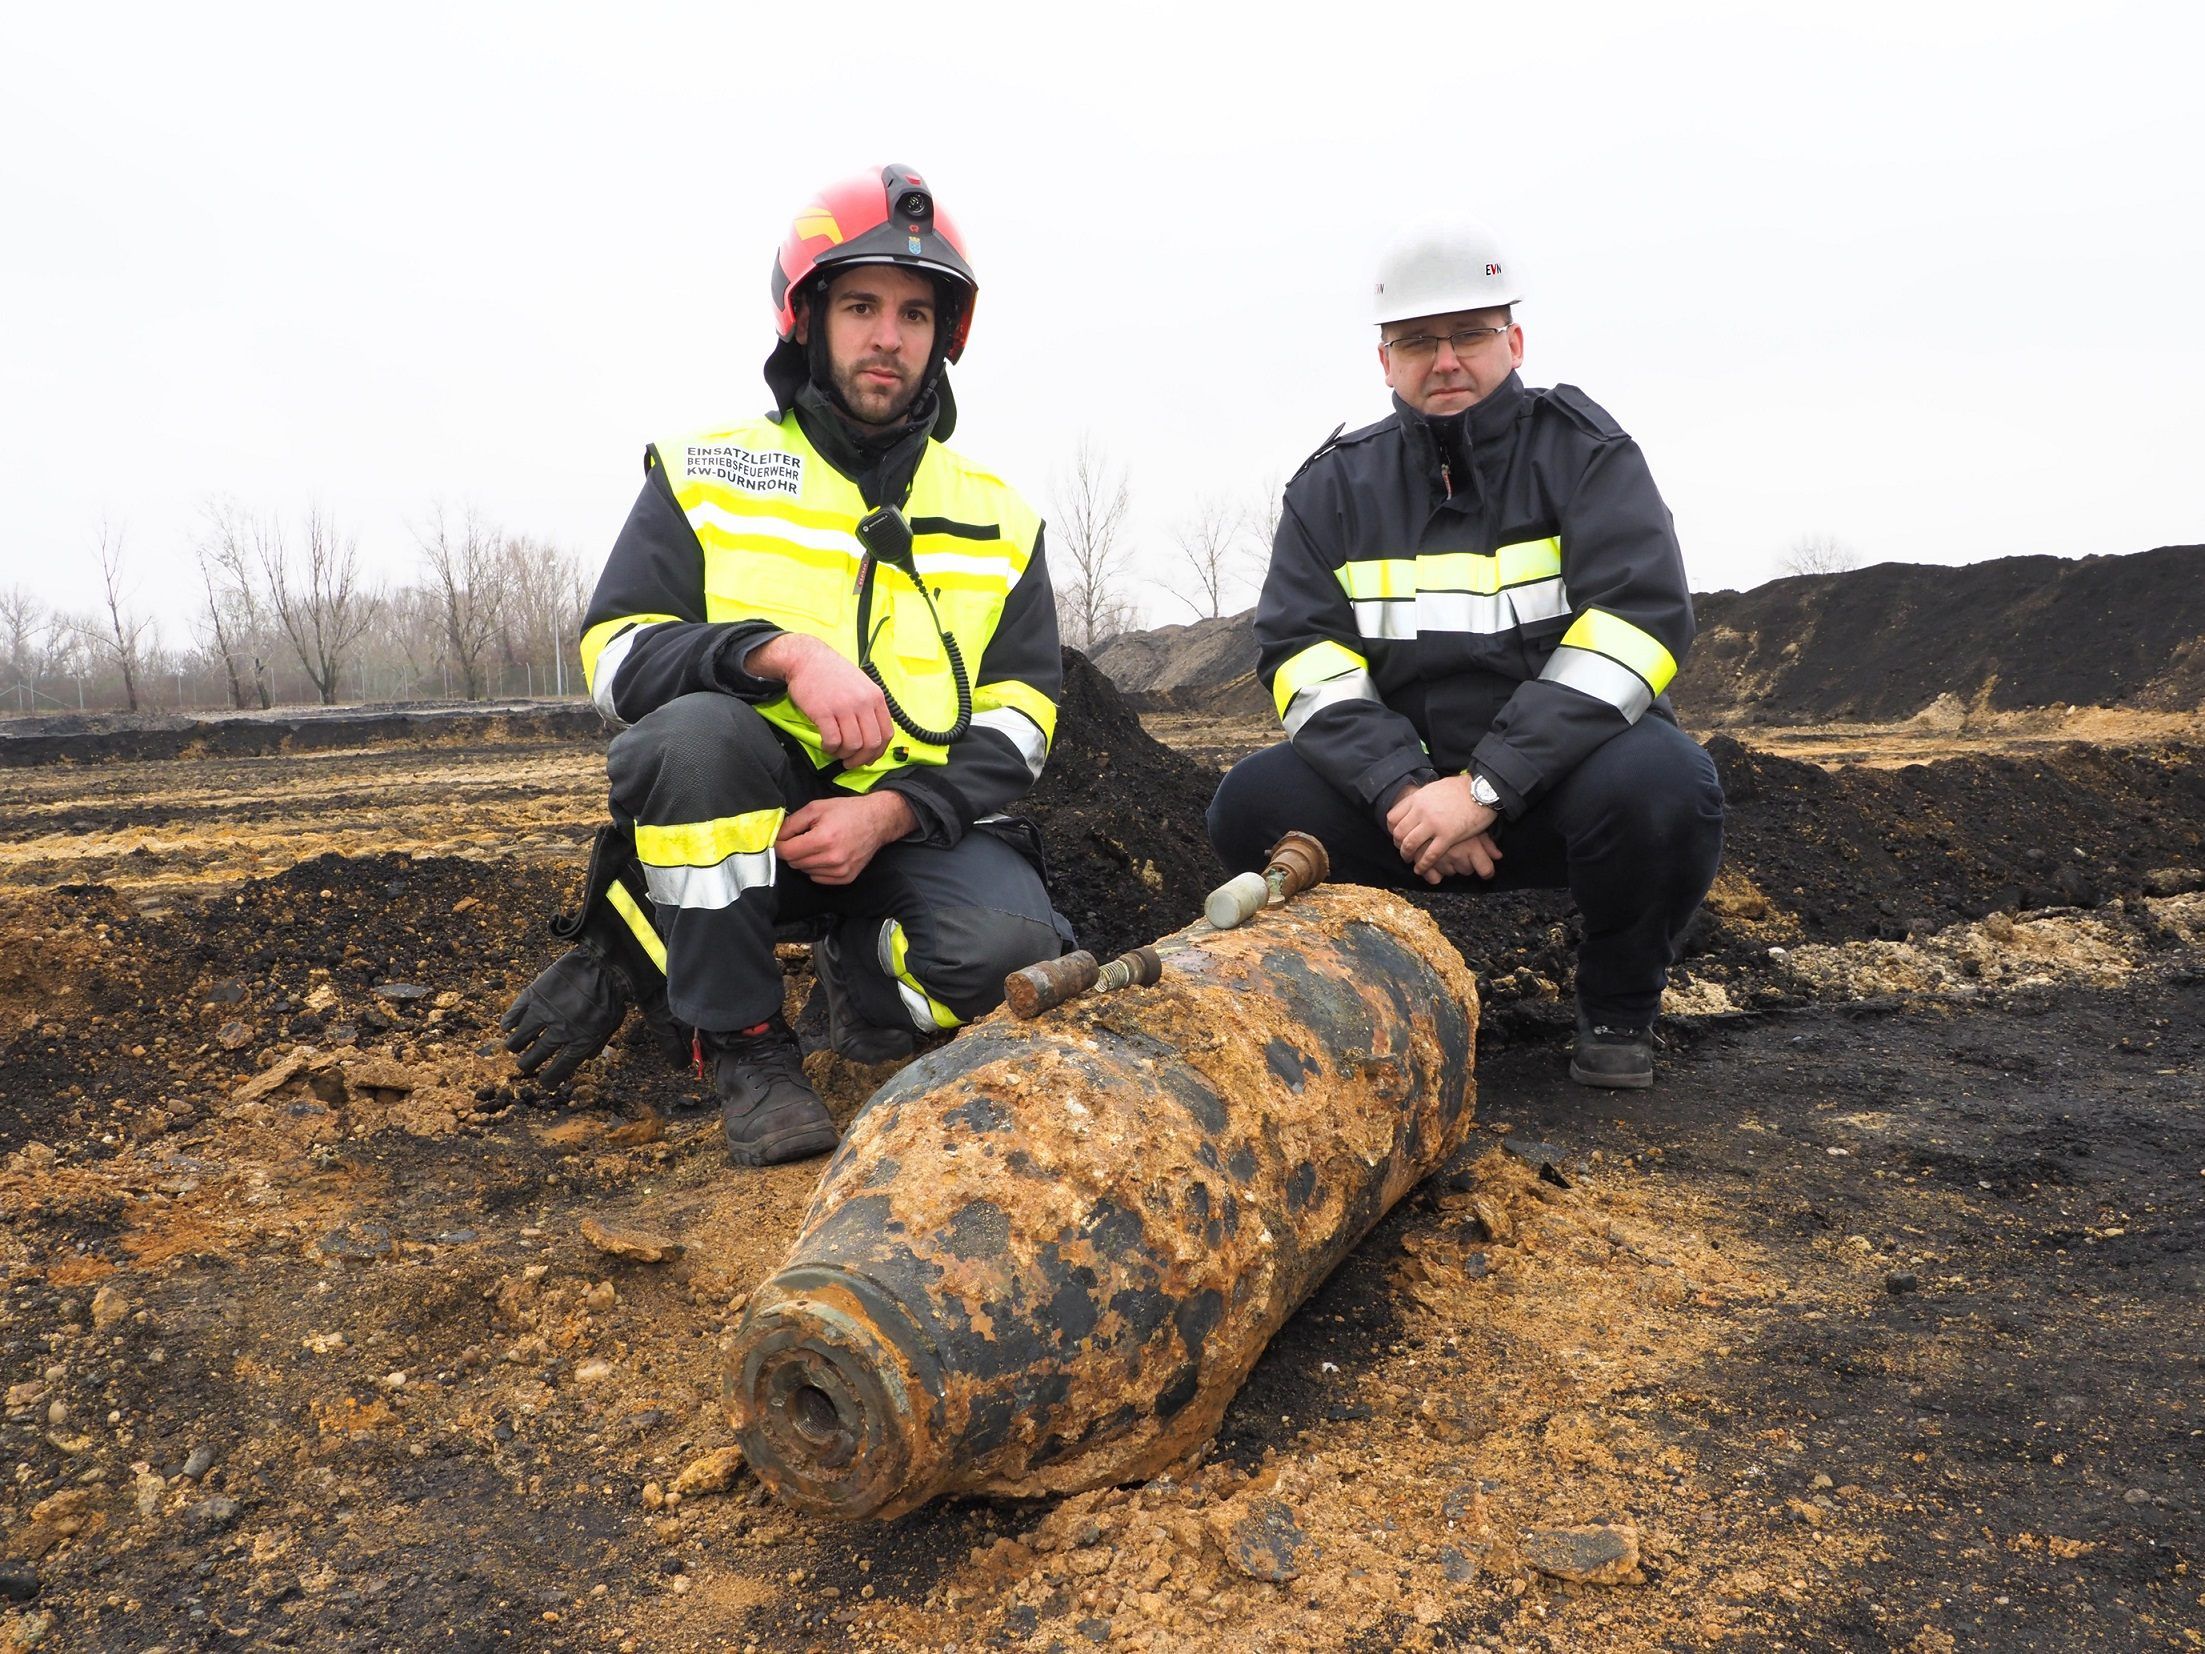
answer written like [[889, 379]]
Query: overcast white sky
[[1920, 276]]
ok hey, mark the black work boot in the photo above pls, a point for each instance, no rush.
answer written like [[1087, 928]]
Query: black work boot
[[767, 1108], [1618, 1058], [853, 1036]]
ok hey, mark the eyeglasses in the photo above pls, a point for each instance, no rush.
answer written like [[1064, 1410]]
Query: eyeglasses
[[1422, 347]]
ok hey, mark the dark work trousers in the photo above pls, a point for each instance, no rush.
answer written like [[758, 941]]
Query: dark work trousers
[[926, 935], [1634, 833]]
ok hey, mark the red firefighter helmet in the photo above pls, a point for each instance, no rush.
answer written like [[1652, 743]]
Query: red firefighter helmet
[[884, 217]]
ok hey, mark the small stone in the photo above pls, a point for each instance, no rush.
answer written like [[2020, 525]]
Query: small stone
[[1599, 1553], [401, 993], [593, 1372], [378, 1074], [602, 1296], [1493, 1217], [229, 992], [453, 1237], [200, 1461], [2136, 1496], [234, 1036], [1898, 1281], [1543, 1158], [1459, 1569], [57, 1414], [361, 1242], [654, 1496], [211, 1516], [18, 1580], [148, 1486], [26, 1395], [634, 1245], [1264, 1543], [108, 1307], [713, 1473]]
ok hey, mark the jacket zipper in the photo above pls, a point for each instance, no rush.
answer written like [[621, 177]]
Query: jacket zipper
[[1446, 479]]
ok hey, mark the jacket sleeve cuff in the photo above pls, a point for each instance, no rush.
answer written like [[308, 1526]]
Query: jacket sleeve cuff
[[1393, 794], [942, 821], [1377, 782], [731, 660], [1511, 774]]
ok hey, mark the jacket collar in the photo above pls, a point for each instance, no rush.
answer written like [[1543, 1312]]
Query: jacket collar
[[881, 463], [1456, 439]]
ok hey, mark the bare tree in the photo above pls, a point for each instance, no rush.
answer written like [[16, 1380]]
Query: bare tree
[[1265, 507], [1213, 549], [122, 635], [318, 595], [467, 576], [548, 590], [235, 626], [1818, 554], [35, 643], [406, 642], [1088, 548]]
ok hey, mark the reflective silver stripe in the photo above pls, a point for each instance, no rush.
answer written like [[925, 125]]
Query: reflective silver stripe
[[919, 1007], [953, 562], [1021, 731], [1539, 600], [610, 659], [1602, 679], [1386, 617], [1486, 614], [715, 886], [1307, 703], [767, 525]]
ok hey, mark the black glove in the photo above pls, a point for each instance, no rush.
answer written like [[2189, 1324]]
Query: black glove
[[566, 1016]]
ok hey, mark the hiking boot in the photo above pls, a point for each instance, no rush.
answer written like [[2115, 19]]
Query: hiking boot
[[1618, 1058], [767, 1108], [853, 1037]]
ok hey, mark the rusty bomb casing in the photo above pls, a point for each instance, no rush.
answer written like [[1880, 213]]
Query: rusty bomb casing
[[1046, 1255]]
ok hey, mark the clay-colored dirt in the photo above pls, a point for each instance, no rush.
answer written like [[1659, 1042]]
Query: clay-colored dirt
[[1874, 1326]]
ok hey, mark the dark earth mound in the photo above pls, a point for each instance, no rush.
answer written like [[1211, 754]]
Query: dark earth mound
[[1129, 859], [1869, 645], [1880, 644], [1208, 666], [1864, 854]]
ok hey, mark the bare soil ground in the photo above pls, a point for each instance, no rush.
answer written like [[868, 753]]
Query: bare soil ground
[[1874, 1326]]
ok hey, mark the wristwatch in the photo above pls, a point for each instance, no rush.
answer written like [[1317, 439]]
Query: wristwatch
[[1484, 791]]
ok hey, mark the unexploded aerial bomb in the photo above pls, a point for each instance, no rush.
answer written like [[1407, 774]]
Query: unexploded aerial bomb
[[1045, 1256]]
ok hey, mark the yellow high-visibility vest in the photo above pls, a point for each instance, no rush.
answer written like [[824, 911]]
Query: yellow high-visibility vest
[[779, 529]]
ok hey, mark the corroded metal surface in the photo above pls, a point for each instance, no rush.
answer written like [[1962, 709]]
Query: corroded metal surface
[[1049, 983], [1046, 1255]]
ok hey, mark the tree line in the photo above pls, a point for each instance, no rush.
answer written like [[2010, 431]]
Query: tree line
[[284, 613]]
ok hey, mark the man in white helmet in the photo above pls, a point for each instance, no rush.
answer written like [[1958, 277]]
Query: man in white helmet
[[1472, 611]]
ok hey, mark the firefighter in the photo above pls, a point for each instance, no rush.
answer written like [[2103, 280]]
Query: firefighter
[[1472, 613], [832, 644]]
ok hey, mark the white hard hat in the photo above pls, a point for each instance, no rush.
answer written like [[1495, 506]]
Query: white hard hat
[[1439, 268]]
